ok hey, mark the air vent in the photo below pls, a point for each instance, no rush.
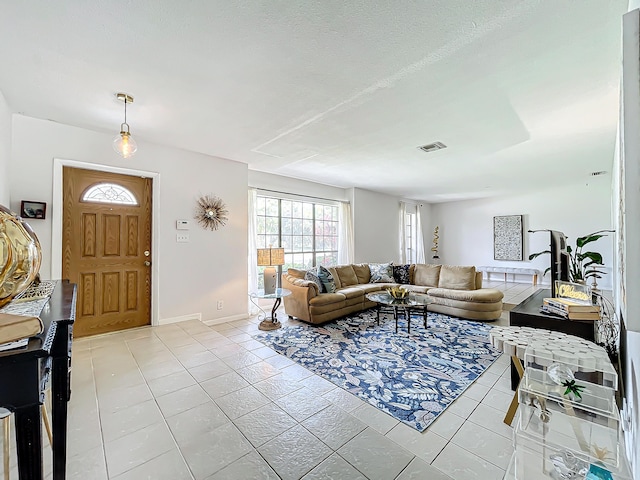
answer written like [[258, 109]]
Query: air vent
[[597, 174], [432, 147]]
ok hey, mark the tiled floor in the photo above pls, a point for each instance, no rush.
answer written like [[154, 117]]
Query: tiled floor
[[189, 401]]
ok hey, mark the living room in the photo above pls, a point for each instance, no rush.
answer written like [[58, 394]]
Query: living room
[[190, 279]]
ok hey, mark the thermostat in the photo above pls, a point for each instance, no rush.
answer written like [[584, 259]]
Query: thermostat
[[182, 224]]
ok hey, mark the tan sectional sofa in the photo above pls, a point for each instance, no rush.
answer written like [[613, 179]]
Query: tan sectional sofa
[[455, 290]]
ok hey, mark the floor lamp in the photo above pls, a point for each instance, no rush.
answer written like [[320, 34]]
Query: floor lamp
[[270, 258]]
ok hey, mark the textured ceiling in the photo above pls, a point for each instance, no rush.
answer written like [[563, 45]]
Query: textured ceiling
[[338, 92]]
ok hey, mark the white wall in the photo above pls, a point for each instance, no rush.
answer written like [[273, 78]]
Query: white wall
[[192, 276], [5, 150], [375, 226], [279, 183], [466, 227]]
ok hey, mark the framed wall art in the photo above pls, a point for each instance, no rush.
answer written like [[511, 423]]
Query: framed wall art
[[507, 237], [29, 209]]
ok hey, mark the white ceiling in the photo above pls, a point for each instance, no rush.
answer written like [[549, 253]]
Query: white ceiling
[[524, 93]]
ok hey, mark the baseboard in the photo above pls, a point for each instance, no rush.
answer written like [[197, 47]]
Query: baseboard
[[182, 318], [231, 318]]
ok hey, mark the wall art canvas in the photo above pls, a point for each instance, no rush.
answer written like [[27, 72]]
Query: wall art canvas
[[507, 237]]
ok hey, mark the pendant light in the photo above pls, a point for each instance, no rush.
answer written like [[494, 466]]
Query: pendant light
[[124, 143]]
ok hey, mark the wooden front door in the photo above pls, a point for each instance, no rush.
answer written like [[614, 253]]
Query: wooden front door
[[106, 248]]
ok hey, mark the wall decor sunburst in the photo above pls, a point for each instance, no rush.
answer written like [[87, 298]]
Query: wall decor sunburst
[[211, 212]]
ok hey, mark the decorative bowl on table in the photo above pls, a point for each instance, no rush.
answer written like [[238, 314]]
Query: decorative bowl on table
[[398, 292]]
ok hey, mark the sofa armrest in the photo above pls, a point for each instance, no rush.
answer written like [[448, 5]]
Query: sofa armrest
[[302, 291]]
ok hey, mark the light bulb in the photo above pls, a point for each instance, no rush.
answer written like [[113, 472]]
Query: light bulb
[[124, 144]]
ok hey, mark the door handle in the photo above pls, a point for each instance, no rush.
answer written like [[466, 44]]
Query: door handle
[[147, 263]]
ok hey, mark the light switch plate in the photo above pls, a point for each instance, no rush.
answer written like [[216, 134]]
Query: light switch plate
[[182, 237], [182, 224]]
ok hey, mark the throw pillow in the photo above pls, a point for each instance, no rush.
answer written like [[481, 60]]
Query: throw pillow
[[381, 273], [329, 286], [346, 275], [401, 274], [313, 276]]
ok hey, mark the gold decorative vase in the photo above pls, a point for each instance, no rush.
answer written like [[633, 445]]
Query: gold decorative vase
[[20, 255]]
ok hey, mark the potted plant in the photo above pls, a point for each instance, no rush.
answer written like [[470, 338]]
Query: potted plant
[[582, 265]]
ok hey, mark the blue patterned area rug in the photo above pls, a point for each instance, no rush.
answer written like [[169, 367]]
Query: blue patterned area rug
[[411, 377]]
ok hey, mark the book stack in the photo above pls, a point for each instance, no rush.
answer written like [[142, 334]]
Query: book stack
[[570, 309], [15, 328]]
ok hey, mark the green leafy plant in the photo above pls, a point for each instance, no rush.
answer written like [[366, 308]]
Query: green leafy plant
[[582, 265]]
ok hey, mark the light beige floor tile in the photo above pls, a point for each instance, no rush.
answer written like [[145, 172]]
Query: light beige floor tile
[[488, 379], [484, 443], [491, 419], [157, 370], [446, 424], [418, 469], [251, 466], [376, 456], [182, 400], [240, 359], [119, 398], [334, 468], [277, 386], [317, 384], [343, 399], [264, 424], [279, 361], [137, 448], [214, 450], [171, 383], [209, 370], [334, 426], [195, 359], [302, 403], [498, 400], [129, 420], [241, 402], [460, 464], [377, 419], [168, 466], [224, 384], [294, 453], [476, 391], [90, 464], [426, 445], [463, 406], [257, 372], [296, 372], [196, 421]]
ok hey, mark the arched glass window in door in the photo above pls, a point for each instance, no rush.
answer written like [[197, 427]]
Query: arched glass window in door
[[109, 193]]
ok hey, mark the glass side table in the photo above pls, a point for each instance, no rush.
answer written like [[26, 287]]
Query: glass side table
[[272, 322]]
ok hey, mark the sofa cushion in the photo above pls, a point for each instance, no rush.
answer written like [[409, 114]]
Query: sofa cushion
[[312, 275], [483, 295], [362, 272], [426, 275], [294, 272], [401, 273], [347, 275], [381, 273], [327, 299], [328, 285], [352, 292], [457, 278]]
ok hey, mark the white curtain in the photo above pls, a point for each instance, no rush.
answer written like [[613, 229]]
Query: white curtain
[[403, 233], [252, 259], [420, 258], [345, 236]]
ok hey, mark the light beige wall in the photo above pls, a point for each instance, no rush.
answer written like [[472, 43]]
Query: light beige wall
[[5, 150]]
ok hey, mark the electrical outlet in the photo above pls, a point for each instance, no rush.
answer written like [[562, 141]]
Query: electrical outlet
[[182, 237], [220, 304]]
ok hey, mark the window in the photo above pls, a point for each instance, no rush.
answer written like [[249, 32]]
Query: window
[[411, 237], [307, 231], [109, 193]]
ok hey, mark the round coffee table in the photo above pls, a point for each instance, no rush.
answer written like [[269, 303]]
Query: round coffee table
[[272, 322], [412, 301]]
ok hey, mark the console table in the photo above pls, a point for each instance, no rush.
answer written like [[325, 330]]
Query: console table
[[24, 374], [528, 314]]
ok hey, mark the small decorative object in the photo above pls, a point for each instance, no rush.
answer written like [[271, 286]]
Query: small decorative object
[[397, 292], [20, 255], [211, 212], [507, 237], [434, 249], [124, 144], [270, 258], [31, 210], [567, 466], [562, 375]]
